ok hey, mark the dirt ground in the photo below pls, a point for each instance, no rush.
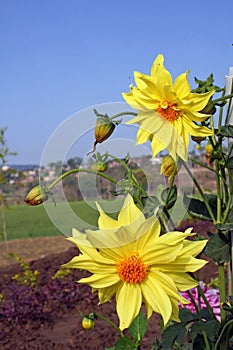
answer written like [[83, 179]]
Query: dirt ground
[[32, 248], [62, 330]]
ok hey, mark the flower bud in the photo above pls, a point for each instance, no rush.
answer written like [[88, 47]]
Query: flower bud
[[99, 166], [209, 148], [198, 139], [167, 167], [88, 323], [36, 196], [209, 108], [103, 129]]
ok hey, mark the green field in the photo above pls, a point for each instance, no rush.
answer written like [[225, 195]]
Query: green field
[[23, 221]]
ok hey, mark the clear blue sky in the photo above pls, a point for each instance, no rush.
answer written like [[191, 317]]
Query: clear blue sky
[[61, 56]]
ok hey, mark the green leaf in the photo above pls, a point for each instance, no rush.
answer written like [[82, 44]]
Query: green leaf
[[225, 227], [218, 248], [186, 316], [199, 343], [197, 208], [225, 131], [124, 343], [211, 328], [205, 314], [176, 332], [138, 328], [150, 203], [195, 330], [171, 200], [228, 224], [230, 163]]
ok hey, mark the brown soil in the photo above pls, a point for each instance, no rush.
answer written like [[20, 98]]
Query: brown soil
[[32, 248], [63, 330]]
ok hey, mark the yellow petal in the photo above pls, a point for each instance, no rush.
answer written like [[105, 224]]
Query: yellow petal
[[175, 310], [146, 84], [199, 101], [130, 213], [107, 293], [160, 253], [194, 248], [101, 281], [129, 301], [157, 298], [167, 284], [194, 129], [159, 72], [183, 280], [83, 262], [106, 221], [157, 62], [147, 233], [181, 85], [173, 238], [140, 117], [183, 263]]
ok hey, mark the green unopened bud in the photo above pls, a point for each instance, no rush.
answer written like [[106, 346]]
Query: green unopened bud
[[168, 167], [36, 196]]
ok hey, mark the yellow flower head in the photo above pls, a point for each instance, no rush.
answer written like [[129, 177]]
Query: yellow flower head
[[167, 111], [128, 258]]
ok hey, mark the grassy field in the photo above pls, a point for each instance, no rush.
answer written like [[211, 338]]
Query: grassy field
[[23, 221]]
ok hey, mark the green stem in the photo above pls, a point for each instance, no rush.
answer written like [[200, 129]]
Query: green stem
[[122, 114], [222, 290], [202, 294], [228, 207], [170, 221], [221, 99], [220, 113], [200, 191], [200, 321], [219, 341], [135, 182], [202, 165], [219, 194], [110, 323], [80, 170]]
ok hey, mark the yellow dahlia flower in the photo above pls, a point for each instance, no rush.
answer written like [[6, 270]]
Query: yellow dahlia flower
[[128, 258], [167, 112]]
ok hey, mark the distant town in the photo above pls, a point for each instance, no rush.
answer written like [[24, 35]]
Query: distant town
[[19, 179]]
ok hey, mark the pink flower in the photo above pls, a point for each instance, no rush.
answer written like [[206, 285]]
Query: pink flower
[[211, 294]]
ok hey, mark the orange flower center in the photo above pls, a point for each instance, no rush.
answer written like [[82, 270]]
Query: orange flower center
[[132, 269], [168, 111]]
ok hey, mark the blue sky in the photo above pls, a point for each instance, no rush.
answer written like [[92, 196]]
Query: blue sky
[[58, 57]]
